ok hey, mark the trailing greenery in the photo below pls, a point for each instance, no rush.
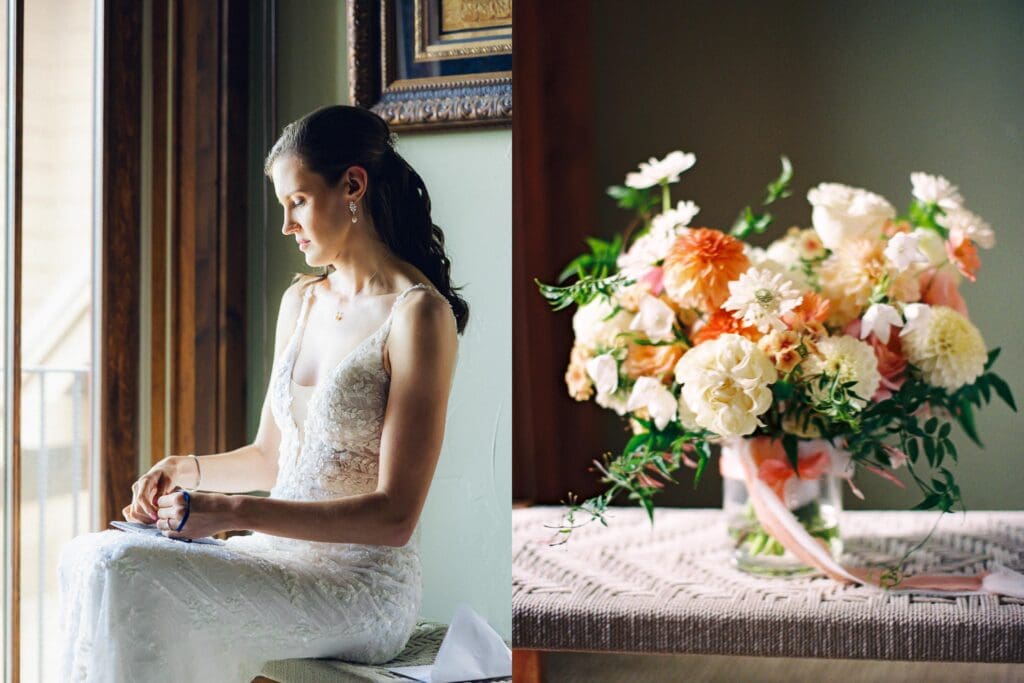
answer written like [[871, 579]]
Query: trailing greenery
[[756, 223]]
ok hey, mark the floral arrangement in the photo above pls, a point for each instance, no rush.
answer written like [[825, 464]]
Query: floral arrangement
[[852, 331]]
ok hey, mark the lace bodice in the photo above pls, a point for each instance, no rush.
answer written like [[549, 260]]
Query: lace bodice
[[259, 596], [339, 451]]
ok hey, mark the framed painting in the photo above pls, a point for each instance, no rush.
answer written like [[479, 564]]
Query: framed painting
[[432, 63]]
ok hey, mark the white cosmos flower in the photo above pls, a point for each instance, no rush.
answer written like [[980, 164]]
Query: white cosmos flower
[[761, 297], [842, 213], [651, 394], [880, 318], [657, 171], [652, 247], [935, 189], [668, 221], [655, 319], [972, 225], [604, 370], [903, 249]]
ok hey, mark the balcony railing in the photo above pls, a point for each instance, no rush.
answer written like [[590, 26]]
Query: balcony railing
[[61, 438]]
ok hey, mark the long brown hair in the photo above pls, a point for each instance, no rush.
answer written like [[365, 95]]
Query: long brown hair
[[334, 138]]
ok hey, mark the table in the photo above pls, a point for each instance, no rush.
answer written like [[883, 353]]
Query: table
[[671, 588]]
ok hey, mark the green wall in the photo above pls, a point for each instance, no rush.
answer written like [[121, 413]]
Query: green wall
[[466, 525], [861, 93]]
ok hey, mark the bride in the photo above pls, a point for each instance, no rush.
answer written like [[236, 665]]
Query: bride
[[348, 441]]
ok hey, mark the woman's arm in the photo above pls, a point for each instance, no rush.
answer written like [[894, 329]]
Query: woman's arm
[[422, 348], [254, 467], [250, 468]]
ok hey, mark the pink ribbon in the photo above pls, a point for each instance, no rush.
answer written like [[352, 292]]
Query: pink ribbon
[[784, 527]]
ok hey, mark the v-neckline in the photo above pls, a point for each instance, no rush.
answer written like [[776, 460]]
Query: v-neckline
[[301, 332]]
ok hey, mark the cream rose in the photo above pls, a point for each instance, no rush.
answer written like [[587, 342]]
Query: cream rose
[[726, 384], [842, 212]]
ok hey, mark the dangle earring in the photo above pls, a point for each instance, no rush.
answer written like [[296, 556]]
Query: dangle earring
[[352, 208]]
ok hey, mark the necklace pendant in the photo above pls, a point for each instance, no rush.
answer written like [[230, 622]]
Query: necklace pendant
[[337, 315]]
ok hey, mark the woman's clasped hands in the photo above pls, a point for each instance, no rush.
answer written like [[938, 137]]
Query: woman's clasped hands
[[157, 498]]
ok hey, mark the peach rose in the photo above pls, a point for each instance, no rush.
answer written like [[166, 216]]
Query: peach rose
[[939, 288], [892, 364], [643, 360]]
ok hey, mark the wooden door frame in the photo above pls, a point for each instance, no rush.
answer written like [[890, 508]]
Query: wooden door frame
[[198, 222], [554, 438]]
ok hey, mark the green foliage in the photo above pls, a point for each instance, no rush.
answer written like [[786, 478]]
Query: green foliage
[[632, 199], [599, 263], [649, 461], [581, 292], [750, 222]]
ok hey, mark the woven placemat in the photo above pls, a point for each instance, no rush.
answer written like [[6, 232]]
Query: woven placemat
[[671, 588]]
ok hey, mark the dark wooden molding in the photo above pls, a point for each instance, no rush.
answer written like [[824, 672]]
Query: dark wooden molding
[[554, 438], [208, 262], [158, 230], [119, 439]]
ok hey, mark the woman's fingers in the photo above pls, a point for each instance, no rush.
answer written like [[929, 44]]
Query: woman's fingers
[[148, 492]]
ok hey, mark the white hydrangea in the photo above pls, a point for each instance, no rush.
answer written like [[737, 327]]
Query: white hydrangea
[[726, 384], [597, 324], [657, 171], [946, 347], [847, 359], [842, 213]]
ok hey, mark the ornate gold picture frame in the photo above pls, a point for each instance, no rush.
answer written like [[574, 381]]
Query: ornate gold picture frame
[[432, 63]]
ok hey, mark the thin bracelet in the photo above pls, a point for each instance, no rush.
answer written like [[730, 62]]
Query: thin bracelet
[[199, 471]]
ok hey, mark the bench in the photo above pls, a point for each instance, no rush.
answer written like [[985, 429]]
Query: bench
[[671, 589]]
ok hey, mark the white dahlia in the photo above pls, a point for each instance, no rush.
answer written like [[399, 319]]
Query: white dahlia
[[726, 384], [846, 359], [946, 347], [761, 297]]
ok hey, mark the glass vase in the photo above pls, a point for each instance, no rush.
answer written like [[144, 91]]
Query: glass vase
[[814, 499]]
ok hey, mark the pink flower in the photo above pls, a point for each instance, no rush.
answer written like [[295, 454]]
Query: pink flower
[[652, 278], [892, 364], [938, 288]]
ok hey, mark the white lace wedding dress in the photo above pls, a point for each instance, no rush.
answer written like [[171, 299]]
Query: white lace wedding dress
[[137, 608]]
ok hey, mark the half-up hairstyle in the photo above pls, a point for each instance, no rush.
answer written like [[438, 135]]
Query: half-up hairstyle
[[334, 138]]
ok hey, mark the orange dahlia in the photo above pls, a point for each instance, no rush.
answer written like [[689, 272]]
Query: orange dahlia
[[699, 267], [723, 322]]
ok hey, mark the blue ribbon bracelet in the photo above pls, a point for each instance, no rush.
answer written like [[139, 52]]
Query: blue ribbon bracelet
[[188, 508]]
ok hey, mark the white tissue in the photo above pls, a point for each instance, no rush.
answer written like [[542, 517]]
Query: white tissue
[[471, 650]]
